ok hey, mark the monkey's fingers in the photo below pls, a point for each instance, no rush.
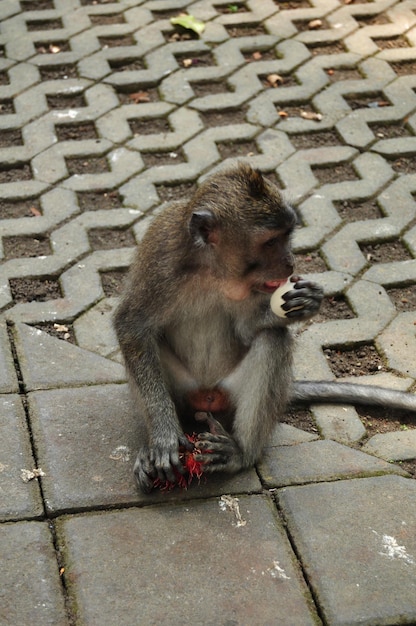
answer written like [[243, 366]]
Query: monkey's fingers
[[215, 427], [303, 301], [212, 461], [144, 472], [166, 463], [184, 442]]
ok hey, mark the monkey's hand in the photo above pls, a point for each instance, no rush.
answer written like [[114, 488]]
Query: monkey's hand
[[218, 450], [303, 301], [160, 460]]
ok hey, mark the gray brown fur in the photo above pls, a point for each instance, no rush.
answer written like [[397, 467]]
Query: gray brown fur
[[194, 316]]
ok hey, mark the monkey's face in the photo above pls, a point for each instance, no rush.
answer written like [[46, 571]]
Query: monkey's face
[[242, 227], [256, 262]]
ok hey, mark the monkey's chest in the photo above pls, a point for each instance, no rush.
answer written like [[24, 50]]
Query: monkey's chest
[[207, 347]]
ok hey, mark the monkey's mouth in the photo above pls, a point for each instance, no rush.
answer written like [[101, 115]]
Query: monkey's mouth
[[270, 286]]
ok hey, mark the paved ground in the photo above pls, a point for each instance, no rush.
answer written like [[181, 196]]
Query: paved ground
[[104, 114]]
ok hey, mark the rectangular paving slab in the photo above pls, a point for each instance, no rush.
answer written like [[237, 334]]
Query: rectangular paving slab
[[206, 564], [87, 440], [17, 499], [357, 543], [318, 460], [30, 590]]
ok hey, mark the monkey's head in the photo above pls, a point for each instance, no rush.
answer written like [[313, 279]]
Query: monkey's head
[[243, 226]]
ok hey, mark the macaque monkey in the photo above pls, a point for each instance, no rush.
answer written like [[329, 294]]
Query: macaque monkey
[[200, 341]]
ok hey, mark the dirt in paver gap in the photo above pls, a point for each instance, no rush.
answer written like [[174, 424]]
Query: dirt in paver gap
[[385, 252], [60, 330], [65, 101], [99, 200], [301, 418], [77, 132], [15, 173], [26, 246], [15, 209], [10, 138], [110, 238], [57, 72], [101, 20], [34, 289], [37, 5], [113, 281]]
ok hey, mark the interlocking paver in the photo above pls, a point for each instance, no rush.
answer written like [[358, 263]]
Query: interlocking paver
[[108, 112]]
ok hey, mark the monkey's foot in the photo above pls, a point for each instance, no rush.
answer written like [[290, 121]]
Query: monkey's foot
[[216, 450]]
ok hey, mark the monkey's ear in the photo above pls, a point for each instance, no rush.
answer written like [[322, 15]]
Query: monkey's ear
[[256, 183], [203, 227]]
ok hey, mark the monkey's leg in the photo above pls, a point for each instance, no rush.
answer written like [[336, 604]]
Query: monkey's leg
[[259, 388]]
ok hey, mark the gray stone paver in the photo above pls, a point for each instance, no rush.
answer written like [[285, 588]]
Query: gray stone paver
[[30, 589], [317, 460], [87, 449], [204, 568], [113, 68], [19, 500], [368, 577]]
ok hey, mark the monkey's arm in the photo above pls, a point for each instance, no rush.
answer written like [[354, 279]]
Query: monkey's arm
[[159, 456]]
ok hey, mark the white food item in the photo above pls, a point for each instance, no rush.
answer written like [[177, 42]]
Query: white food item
[[276, 301]]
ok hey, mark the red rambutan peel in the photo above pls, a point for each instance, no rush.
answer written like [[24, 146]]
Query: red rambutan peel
[[192, 467]]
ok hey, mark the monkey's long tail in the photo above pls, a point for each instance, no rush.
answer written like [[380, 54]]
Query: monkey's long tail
[[317, 391]]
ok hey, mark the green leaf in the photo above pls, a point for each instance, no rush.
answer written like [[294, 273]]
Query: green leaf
[[189, 22]]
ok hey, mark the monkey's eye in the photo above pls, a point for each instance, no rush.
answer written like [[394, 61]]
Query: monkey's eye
[[270, 243]]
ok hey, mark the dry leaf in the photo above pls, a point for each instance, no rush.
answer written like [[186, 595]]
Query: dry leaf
[[314, 24], [311, 115], [283, 114], [187, 62], [257, 56], [35, 211], [28, 475], [60, 328], [189, 22], [139, 96], [54, 49], [274, 80]]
